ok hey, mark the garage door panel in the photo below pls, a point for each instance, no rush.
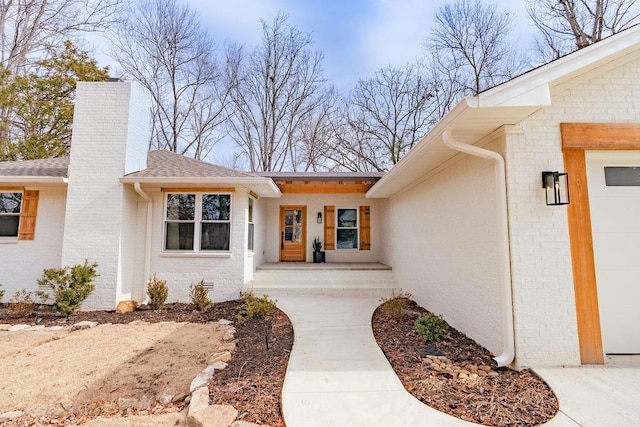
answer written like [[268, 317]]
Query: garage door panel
[[615, 218], [624, 219], [617, 251]]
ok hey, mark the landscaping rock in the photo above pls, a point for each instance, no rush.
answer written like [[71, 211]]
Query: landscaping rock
[[127, 306], [4, 326], [10, 416], [86, 324], [230, 335], [139, 322], [165, 399], [223, 356], [37, 328], [246, 424], [218, 366], [53, 328], [225, 322], [216, 416], [20, 327], [199, 400]]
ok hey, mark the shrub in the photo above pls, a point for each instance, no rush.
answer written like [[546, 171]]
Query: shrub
[[70, 286], [21, 304], [257, 308], [396, 305], [431, 327], [199, 296], [158, 292], [1, 293]]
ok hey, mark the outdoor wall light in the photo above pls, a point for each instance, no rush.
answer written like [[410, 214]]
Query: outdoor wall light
[[319, 217], [556, 185]]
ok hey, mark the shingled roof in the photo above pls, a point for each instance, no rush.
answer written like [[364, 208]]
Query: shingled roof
[[55, 167], [166, 164]]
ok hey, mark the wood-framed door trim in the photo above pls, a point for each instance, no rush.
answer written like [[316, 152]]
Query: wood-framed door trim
[[576, 139], [302, 208]]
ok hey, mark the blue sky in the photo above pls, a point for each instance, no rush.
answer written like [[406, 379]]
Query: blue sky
[[357, 37]]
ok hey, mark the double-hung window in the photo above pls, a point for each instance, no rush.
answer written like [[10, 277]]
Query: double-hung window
[[347, 229], [250, 237], [10, 209], [198, 222]]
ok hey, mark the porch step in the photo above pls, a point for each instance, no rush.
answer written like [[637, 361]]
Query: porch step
[[315, 280]]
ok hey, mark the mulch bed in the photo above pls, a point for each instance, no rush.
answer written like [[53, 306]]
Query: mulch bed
[[507, 399]]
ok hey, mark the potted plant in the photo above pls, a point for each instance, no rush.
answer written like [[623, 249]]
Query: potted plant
[[318, 253]]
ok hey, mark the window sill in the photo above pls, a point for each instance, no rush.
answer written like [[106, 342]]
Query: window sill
[[195, 254], [8, 240]]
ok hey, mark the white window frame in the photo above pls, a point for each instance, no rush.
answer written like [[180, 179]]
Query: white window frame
[[251, 228], [198, 222], [19, 214], [357, 227]]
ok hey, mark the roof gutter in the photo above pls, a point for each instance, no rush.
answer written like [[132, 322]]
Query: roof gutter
[[508, 352], [148, 230]]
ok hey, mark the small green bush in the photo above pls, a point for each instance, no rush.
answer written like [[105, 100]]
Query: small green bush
[[199, 296], [431, 327], [1, 293], [257, 308], [158, 292], [70, 286], [22, 304]]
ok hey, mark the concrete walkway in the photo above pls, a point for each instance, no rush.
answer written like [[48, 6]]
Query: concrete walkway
[[594, 395], [337, 374]]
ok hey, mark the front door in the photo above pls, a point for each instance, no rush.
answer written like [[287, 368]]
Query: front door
[[293, 239]]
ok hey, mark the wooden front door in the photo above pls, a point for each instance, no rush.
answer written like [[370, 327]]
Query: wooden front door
[[293, 235]]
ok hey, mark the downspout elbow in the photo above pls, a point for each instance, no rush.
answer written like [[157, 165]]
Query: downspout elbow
[[508, 353], [148, 229]]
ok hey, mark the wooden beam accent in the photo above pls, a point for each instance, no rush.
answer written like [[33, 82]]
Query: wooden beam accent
[[324, 187], [600, 136], [198, 190], [254, 195], [11, 189], [583, 263]]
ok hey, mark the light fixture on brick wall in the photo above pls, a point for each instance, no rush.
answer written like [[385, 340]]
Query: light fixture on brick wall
[[556, 186], [319, 217]]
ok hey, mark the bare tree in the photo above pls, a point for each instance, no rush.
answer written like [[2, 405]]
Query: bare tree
[[29, 27], [277, 86], [470, 38], [567, 25], [387, 114], [163, 45]]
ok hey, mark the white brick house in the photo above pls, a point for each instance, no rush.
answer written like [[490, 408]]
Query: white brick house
[[462, 219]]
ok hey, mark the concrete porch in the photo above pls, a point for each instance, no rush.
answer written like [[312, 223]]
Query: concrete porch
[[374, 279]]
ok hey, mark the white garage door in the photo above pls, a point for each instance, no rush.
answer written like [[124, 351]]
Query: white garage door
[[614, 197]]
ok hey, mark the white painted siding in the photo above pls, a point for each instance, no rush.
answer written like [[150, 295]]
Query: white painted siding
[[23, 261], [315, 203], [440, 237]]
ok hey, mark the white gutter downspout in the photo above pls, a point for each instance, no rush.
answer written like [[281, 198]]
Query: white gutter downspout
[[147, 243], [508, 352]]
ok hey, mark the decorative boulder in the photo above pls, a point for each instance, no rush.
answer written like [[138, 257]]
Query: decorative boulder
[[126, 306]]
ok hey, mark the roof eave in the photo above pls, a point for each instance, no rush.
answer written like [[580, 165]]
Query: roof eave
[[263, 187], [46, 181]]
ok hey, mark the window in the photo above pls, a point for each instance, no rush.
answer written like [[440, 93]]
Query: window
[[622, 176], [198, 222], [250, 231], [347, 229], [10, 208]]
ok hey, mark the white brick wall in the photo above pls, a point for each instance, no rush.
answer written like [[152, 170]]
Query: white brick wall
[[23, 261], [315, 203], [546, 331], [110, 134], [440, 237], [225, 271]]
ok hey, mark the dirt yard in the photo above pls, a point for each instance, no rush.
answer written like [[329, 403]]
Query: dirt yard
[[107, 370]]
